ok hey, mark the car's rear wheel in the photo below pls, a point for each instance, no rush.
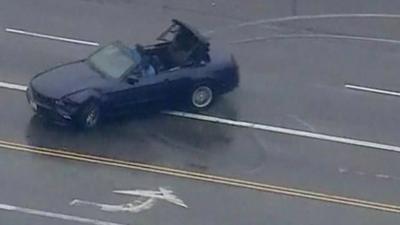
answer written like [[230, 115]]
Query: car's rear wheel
[[89, 117], [202, 97]]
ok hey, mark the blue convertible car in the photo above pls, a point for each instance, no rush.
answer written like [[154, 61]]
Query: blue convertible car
[[181, 67]]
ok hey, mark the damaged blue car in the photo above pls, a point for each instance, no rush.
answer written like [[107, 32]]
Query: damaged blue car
[[181, 67]]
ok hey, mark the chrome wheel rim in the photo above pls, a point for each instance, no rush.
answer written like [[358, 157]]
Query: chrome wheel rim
[[202, 97]]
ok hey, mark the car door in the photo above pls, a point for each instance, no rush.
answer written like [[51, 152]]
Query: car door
[[178, 82], [149, 88], [134, 90]]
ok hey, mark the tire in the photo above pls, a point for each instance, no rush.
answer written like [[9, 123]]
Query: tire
[[90, 116], [201, 97]]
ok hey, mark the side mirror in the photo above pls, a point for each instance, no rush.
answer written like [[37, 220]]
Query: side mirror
[[132, 80]]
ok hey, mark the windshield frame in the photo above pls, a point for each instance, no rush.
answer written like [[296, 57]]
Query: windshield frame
[[125, 50]]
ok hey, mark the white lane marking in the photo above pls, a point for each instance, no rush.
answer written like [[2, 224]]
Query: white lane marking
[[13, 86], [135, 207], [282, 130], [284, 36], [304, 17], [162, 193], [370, 175], [321, 16], [388, 177], [54, 215], [383, 176], [373, 90], [18, 31], [343, 170], [360, 173]]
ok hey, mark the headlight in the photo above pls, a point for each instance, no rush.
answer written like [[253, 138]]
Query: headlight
[[29, 94]]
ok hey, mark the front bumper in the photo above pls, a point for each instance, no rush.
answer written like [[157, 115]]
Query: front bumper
[[47, 107]]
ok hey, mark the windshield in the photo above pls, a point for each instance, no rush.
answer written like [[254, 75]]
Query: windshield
[[112, 60]]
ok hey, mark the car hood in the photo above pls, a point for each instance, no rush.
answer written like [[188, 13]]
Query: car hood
[[67, 79]]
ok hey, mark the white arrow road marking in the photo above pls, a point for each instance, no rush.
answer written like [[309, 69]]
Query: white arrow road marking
[[129, 207], [139, 204], [163, 194], [55, 215]]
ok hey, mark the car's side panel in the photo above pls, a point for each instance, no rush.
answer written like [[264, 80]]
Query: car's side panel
[[178, 82], [124, 95], [149, 88]]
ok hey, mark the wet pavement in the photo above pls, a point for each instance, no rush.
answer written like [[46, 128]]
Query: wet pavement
[[297, 83], [47, 184]]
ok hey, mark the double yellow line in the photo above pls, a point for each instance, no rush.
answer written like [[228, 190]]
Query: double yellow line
[[201, 177]]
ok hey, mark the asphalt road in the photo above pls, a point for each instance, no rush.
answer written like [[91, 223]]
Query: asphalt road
[[287, 81]]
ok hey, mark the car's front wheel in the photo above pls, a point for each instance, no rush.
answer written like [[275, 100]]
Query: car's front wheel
[[89, 116], [202, 97]]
